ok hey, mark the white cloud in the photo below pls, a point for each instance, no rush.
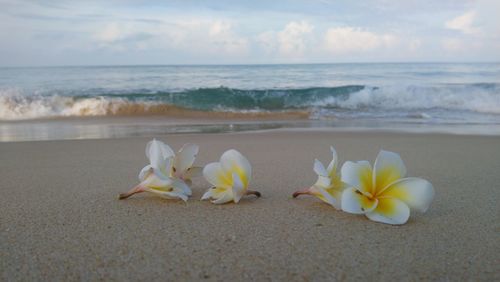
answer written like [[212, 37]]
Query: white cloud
[[222, 37], [219, 28], [267, 41], [109, 33], [463, 23], [188, 36], [90, 32], [291, 42], [292, 39], [119, 37], [202, 37], [341, 40]]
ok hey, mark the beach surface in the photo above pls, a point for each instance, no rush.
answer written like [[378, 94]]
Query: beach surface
[[61, 218]]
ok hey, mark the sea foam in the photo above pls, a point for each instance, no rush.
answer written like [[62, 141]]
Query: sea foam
[[356, 100]]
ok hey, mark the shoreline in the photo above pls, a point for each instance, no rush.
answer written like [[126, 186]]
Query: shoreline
[[62, 220], [149, 126]]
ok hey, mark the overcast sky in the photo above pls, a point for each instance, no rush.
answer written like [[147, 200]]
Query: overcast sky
[[240, 32]]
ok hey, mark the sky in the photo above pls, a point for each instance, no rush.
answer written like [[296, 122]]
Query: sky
[[127, 32]]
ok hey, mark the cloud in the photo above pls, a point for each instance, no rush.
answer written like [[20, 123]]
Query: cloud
[[292, 39], [190, 36], [463, 23], [219, 28], [97, 32], [291, 42], [110, 33], [267, 41], [120, 37], [222, 37], [343, 40]]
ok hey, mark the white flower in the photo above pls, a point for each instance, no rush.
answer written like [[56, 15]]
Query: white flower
[[230, 178], [182, 165], [329, 186], [382, 193], [157, 176]]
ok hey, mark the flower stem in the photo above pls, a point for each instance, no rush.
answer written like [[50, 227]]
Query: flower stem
[[251, 192], [304, 191], [135, 190]]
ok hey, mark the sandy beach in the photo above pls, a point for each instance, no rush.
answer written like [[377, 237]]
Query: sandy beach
[[61, 219]]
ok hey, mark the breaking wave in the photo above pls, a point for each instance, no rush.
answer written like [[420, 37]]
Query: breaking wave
[[476, 98]]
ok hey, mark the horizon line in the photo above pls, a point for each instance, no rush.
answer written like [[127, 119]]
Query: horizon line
[[250, 64]]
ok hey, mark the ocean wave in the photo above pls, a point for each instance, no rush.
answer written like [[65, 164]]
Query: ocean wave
[[480, 98], [239, 99], [13, 107], [476, 98], [35, 107]]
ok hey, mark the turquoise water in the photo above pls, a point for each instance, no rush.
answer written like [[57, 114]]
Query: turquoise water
[[436, 93]]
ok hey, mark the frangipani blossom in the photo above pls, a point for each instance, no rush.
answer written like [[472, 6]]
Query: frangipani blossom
[[329, 186], [155, 177], [182, 164], [382, 193], [230, 178]]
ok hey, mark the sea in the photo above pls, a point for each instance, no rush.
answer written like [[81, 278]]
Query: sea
[[437, 97]]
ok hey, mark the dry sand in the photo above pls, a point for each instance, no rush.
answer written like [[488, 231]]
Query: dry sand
[[60, 218]]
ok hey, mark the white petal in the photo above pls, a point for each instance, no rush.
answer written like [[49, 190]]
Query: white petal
[[207, 195], [225, 197], [169, 195], [358, 175], [323, 182], [355, 202], [157, 153], [417, 193], [214, 174], [326, 197], [185, 158], [145, 172], [183, 197], [332, 167], [388, 167], [238, 188], [390, 211], [234, 161], [154, 154], [165, 150], [155, 147], [157, 180], [181, 187], [167, 166], [319, 168]]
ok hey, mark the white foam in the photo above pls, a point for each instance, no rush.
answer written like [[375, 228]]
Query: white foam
[[15, 106], [464, 98]]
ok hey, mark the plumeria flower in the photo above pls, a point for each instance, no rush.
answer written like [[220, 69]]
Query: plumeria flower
[[382, 193], [182, 165], [156, 177], [329, 186], [230, 178]]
